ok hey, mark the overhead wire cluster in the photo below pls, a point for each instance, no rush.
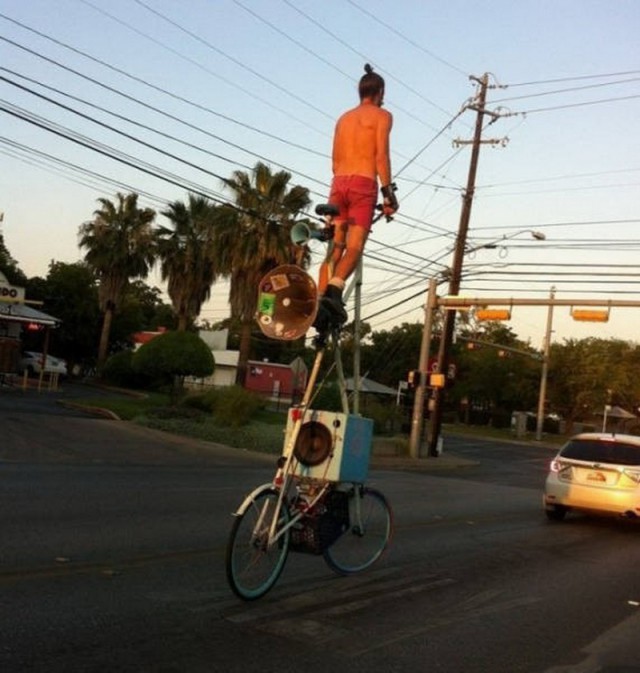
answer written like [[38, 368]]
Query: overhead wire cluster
[[170, 143]]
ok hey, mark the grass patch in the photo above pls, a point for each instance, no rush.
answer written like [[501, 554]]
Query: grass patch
[[503, 434], [126, 408], [264, 433], [255, 436]]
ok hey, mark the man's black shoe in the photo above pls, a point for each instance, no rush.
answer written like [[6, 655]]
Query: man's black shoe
[[322, 320], [335, 308]]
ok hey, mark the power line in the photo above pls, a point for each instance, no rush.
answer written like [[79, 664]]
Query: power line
[[207, 44], [569, 90], [365, 58], [570, 105], [575, 78], [138, 124], [138, 80], [424, 50]]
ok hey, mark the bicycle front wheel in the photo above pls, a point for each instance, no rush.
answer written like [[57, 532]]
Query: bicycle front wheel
[[254, 565], [368, 534]]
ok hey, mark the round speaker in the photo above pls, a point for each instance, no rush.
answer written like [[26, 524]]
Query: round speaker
[[287, 303], [314, 444]]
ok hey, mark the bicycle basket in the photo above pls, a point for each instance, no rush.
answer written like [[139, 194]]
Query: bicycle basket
[[321, 528]]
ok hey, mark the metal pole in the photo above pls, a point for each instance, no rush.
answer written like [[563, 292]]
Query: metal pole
[[415, 439], [356, 339], [545, 367]]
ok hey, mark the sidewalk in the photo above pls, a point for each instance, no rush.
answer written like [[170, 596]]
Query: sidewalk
[[386, 456]]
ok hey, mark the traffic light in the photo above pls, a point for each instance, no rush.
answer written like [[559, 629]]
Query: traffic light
[[492, 314], [413, 378], [589, 315]]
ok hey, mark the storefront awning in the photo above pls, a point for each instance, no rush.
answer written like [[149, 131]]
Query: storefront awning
[[25, 314]]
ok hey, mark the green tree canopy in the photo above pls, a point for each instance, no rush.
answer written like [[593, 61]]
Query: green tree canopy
[[174, 354], [120, 246], [190, 258], [9, 267], [586, 374], [259, 240], [70, 293]]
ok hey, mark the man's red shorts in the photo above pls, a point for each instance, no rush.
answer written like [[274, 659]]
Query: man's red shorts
[[355, 196]]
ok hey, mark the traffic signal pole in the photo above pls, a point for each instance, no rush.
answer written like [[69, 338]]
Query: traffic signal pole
[[415, 439]]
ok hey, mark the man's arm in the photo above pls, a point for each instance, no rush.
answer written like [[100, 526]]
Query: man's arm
[[389, 201], [383, 160]]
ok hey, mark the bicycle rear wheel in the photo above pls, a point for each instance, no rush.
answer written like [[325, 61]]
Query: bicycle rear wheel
[[368, 534], [253, 566]]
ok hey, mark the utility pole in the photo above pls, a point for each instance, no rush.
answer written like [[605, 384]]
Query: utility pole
[[446, 339]]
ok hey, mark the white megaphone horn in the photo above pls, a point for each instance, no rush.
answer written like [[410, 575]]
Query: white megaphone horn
[[302, 233]]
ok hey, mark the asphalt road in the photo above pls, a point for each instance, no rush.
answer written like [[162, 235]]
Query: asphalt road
[[112, 545]]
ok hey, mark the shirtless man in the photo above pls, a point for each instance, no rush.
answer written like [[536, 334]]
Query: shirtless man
[[360, 159]]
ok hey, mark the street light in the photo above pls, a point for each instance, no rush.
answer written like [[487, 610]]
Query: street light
[[537, 235]]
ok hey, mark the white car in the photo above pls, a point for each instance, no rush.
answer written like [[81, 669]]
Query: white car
[[32, 362], [595, 472]]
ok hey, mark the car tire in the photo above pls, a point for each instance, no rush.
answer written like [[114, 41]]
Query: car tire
[[556, 512]]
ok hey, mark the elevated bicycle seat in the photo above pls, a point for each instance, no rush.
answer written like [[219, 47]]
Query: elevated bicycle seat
[[324, 209]]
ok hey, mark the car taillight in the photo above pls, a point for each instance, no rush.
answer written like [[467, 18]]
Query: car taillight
[[562, 469], [634, 475]]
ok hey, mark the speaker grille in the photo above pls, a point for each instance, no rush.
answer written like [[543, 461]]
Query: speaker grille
[[314, 444]]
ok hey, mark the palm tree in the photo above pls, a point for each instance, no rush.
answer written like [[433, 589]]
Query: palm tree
[[120, 246], [259, 242], [189, 255]]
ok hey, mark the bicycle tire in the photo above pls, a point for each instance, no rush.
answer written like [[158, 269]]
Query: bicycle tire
[[364, 541], [252, 568]]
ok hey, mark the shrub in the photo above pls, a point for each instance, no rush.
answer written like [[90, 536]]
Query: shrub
[[201, 401], [235, 406], [118, 371], [171, 356], [387, 417], [328, 398]]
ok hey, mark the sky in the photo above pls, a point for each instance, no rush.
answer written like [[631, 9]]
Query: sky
[[162, 97]]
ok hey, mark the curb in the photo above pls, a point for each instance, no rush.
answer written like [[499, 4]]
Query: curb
[[100, 412]]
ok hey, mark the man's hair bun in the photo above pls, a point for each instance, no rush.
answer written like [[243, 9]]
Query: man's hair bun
[[368, 69]]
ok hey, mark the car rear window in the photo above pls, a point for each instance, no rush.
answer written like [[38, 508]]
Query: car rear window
[[598, 451]]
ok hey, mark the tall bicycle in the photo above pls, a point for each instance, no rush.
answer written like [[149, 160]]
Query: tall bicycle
[[318, 502]]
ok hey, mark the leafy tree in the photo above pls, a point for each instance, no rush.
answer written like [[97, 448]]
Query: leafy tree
[[70, 293], [259, 241], [586, 374], [190, 259], [120, 246], [9, 266], [391, 354], [172, 356], [141, 308]]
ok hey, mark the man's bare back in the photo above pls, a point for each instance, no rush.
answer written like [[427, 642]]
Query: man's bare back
[[361, 143]]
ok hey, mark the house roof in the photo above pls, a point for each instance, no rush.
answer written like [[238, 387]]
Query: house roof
[[616, 412], [369, 386]]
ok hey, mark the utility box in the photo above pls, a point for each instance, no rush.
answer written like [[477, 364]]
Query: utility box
[[519, 423]]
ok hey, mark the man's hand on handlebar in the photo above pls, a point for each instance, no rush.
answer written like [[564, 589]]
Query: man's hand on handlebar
[[389, 201]]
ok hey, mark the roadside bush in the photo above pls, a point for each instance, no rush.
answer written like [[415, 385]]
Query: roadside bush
[[328, 398], [235, 406], [175, 412], [118, 371], [229, 406], [171, 356], [387, 418], [201, 401]]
